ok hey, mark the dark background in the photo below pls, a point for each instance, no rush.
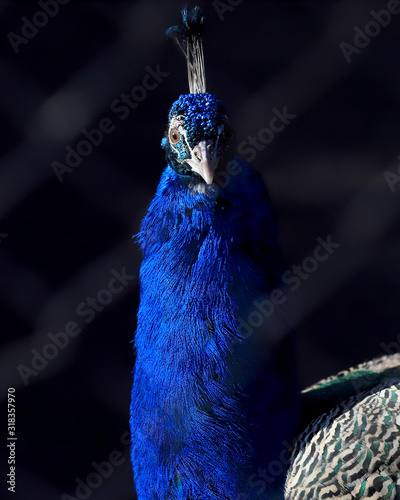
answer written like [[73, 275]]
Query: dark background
[[60, 241]]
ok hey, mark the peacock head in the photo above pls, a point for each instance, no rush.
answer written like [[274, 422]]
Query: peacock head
[[198, 136]]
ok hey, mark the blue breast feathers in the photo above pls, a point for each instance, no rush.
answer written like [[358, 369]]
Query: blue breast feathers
[[204, 260]]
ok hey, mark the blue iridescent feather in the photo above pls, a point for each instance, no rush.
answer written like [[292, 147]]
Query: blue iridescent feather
[[214, 400], [213, 396], [204, 386]]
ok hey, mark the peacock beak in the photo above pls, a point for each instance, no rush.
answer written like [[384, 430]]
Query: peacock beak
[[204, 160]]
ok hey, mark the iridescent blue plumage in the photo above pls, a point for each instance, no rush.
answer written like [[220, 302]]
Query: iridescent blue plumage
[[196, 119], [203, 384], [203, 114], [214, 398], [213, 394]]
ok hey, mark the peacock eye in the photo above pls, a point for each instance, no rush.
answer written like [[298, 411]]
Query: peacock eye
[[174, 135]]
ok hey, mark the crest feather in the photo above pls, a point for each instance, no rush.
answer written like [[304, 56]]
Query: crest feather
[[189, 40]]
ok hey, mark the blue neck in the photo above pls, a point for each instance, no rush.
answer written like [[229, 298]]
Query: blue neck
[[188, 418]]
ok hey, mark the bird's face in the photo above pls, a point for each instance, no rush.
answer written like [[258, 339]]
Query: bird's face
[[197, 137]]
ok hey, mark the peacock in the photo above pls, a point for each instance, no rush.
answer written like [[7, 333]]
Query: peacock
[[216, 411], [351, 448]]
